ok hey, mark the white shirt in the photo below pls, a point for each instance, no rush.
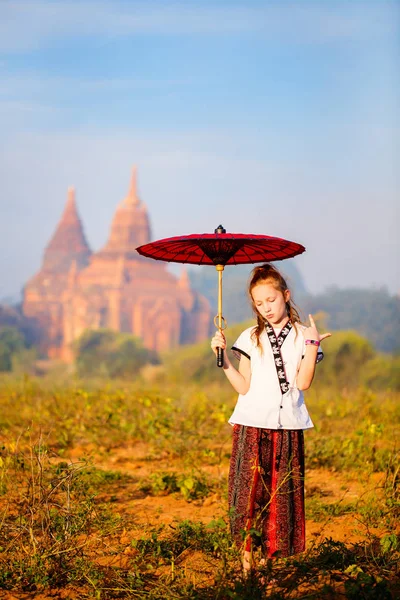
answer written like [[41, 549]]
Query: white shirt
[[264, 405]]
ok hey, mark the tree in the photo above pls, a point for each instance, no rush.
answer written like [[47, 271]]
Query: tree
[[372, 313], [346, 355], [111, 354]]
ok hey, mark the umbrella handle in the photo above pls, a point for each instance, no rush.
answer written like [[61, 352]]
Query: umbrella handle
[[219, 319], [220, 323], [220, 357]]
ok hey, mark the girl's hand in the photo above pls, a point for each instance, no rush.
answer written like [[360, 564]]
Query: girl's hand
[[218, 341], [311, 333]]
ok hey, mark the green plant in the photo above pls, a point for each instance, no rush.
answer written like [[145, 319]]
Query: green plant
[[191, 486], [362, 586]]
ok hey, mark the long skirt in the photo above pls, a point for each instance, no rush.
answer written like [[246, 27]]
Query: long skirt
[[266, 490]]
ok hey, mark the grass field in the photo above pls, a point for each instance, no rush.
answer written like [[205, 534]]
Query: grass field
[[116, 490]]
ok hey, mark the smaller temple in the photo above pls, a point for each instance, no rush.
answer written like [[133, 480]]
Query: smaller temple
[[113, 288]]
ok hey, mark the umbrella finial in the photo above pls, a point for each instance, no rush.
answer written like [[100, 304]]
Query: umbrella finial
[[220, 229]]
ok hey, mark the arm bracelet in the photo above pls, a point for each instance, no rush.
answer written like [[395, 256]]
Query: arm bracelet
[[312, 342]]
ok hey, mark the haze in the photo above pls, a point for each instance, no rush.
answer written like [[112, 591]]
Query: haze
[[268, 117]]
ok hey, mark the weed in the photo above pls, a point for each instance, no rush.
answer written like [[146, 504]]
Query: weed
[[190, 486], [365, 586], [47, 532], [319, 511]]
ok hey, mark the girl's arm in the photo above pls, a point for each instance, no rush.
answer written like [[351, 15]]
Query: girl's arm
[[239, 379], [306, 372]]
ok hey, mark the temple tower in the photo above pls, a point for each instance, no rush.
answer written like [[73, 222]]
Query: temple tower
[[130, 226], [66, 254], [68, 242]]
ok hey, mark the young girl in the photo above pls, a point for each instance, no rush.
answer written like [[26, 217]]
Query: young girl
[[266, 477]]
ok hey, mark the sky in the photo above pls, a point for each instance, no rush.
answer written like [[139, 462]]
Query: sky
[[271, 117]]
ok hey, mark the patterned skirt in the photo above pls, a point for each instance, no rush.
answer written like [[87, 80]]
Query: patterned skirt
[[266, 490]]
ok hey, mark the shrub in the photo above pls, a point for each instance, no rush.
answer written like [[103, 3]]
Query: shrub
[[11, 343]]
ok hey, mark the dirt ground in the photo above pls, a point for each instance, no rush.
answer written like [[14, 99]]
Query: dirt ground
[[141, 509], [330, 486]]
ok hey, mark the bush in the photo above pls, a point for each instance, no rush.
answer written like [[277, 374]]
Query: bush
[[12, 342], [350, 361], [197, 362]]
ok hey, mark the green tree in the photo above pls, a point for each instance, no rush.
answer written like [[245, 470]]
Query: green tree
[[372, 313], [111, 354], [346, 356], [382, 372]]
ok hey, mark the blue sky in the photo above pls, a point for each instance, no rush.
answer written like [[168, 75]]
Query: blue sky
[[269, 116]]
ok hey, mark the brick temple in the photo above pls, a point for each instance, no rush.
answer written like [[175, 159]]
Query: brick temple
[[114, 288]]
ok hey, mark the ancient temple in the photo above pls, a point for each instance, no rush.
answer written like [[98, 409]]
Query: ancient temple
[[113, 288]]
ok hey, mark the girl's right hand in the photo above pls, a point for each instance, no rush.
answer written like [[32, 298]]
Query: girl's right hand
[[218, 341]]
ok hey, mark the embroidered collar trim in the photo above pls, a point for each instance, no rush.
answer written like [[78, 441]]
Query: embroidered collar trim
[[276, 343]]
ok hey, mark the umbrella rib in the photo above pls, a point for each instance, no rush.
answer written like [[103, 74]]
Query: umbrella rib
[[246, 253]]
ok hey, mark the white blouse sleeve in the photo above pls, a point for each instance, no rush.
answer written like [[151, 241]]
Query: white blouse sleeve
[[243, 345]]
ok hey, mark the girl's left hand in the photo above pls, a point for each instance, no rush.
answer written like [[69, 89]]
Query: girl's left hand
[[311, 333]]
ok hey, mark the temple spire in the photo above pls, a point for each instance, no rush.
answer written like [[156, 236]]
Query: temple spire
[[68, 242], [70, 214], [71, 196], [133, 197], [130, 226]]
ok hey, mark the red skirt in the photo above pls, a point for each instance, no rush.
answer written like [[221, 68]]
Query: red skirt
[[266, 490]]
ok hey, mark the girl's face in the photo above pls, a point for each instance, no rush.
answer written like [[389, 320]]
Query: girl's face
[[270, 302]]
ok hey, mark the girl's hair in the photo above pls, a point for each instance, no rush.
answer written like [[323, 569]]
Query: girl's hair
[[269, 274]]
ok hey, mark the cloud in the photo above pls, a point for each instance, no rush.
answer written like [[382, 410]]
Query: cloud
[[36, 24]]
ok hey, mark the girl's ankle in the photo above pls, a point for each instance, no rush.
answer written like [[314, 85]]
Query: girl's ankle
[[247, 561]]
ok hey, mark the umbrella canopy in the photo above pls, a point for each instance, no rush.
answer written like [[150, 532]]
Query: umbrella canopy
[[219, 249]]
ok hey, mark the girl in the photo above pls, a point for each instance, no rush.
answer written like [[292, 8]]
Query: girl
[[266, 477]]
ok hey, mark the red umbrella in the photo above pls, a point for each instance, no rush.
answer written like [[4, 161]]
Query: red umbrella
[[220, 249]]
